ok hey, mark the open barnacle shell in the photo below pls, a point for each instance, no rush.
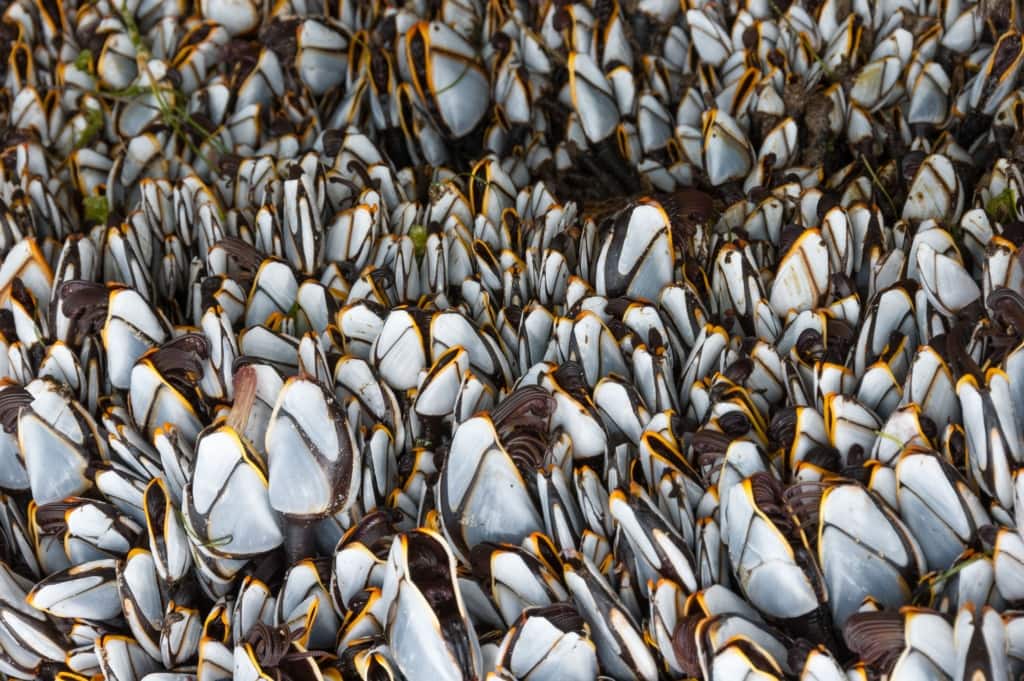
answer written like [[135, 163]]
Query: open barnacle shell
[[587, 340], [426, 616]]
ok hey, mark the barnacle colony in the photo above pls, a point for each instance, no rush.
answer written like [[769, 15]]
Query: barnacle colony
[[623, 339]]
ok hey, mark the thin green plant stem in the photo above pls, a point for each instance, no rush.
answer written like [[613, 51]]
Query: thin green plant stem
[[878, 183]]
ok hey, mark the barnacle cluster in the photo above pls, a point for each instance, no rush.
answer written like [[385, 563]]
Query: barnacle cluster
[[512, 339]]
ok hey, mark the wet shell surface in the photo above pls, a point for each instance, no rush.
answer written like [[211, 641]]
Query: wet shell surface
[[512, 340]]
